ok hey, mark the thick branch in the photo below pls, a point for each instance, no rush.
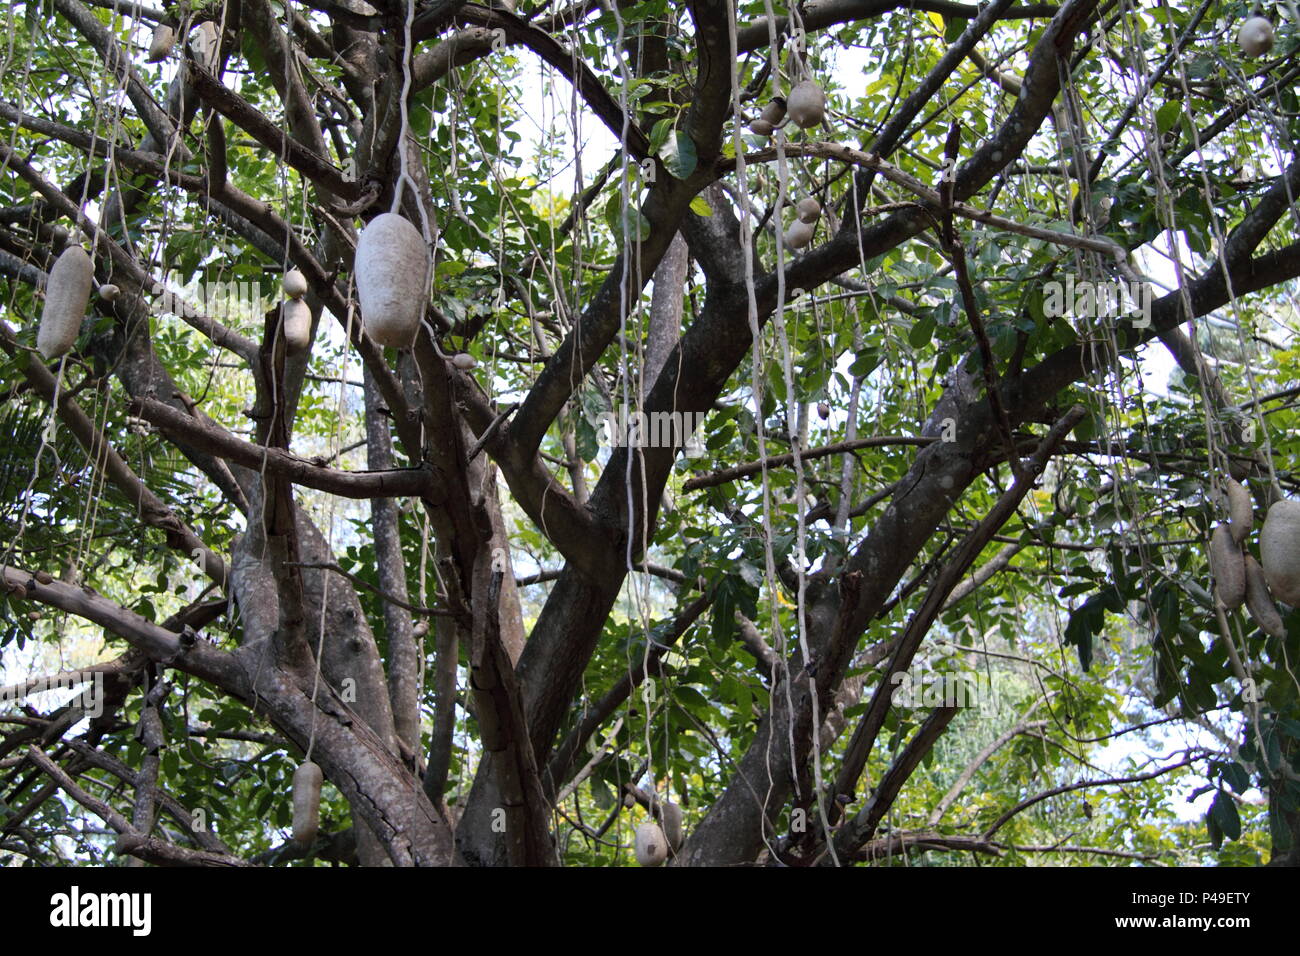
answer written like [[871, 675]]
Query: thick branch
[[402, 482]]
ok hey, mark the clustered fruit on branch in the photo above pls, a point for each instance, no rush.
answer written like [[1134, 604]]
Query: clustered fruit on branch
[[1239, 578]]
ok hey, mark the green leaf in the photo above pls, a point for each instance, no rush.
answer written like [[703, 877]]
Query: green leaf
[[637, 225], [700, 206], [1167, 116], [1215, 832], [679, 155], [659, 133], [1235, 776], [1223, 811], [920, 334], [866, 363], [1089, 618], [586, 440], [691, 699]]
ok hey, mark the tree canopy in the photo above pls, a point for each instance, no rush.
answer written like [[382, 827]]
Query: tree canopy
[[806, 446]]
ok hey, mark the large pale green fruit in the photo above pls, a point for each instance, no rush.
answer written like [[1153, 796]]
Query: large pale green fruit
[[673, 831], [1227, 567], [1255, 37], [295, 317], [392, 274], [1241, 511], [66, 296], [307, 780], [1279, 551], [807, 104], [1259, 602], [651, 844]]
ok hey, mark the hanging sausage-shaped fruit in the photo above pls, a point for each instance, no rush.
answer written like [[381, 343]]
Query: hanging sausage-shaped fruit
[[1259, 602], [774, 112], [307, 780], [1227, 567], [392, 275], [295, 318], [673, 830], [1279, 551], [66, 295], [1241, 511]]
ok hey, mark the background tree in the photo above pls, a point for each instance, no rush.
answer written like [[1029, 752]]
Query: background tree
[[505, 634]]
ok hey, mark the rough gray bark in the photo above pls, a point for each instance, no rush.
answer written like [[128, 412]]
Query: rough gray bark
[[364, 725], [666, 305], [405, 650]]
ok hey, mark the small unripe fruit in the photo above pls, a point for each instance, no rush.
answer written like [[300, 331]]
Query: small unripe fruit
[[809, 209], [761, 127], [807, 104], [823, 411], [774, 112], [464, 361], [1255, 36], [799, 234], [164, 39], [295, 284], [108, 292], [1228, 568], [1241, 511], [651, 845], [307, 780]]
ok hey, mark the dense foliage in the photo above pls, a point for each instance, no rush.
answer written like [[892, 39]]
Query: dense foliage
[[509, 629]]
